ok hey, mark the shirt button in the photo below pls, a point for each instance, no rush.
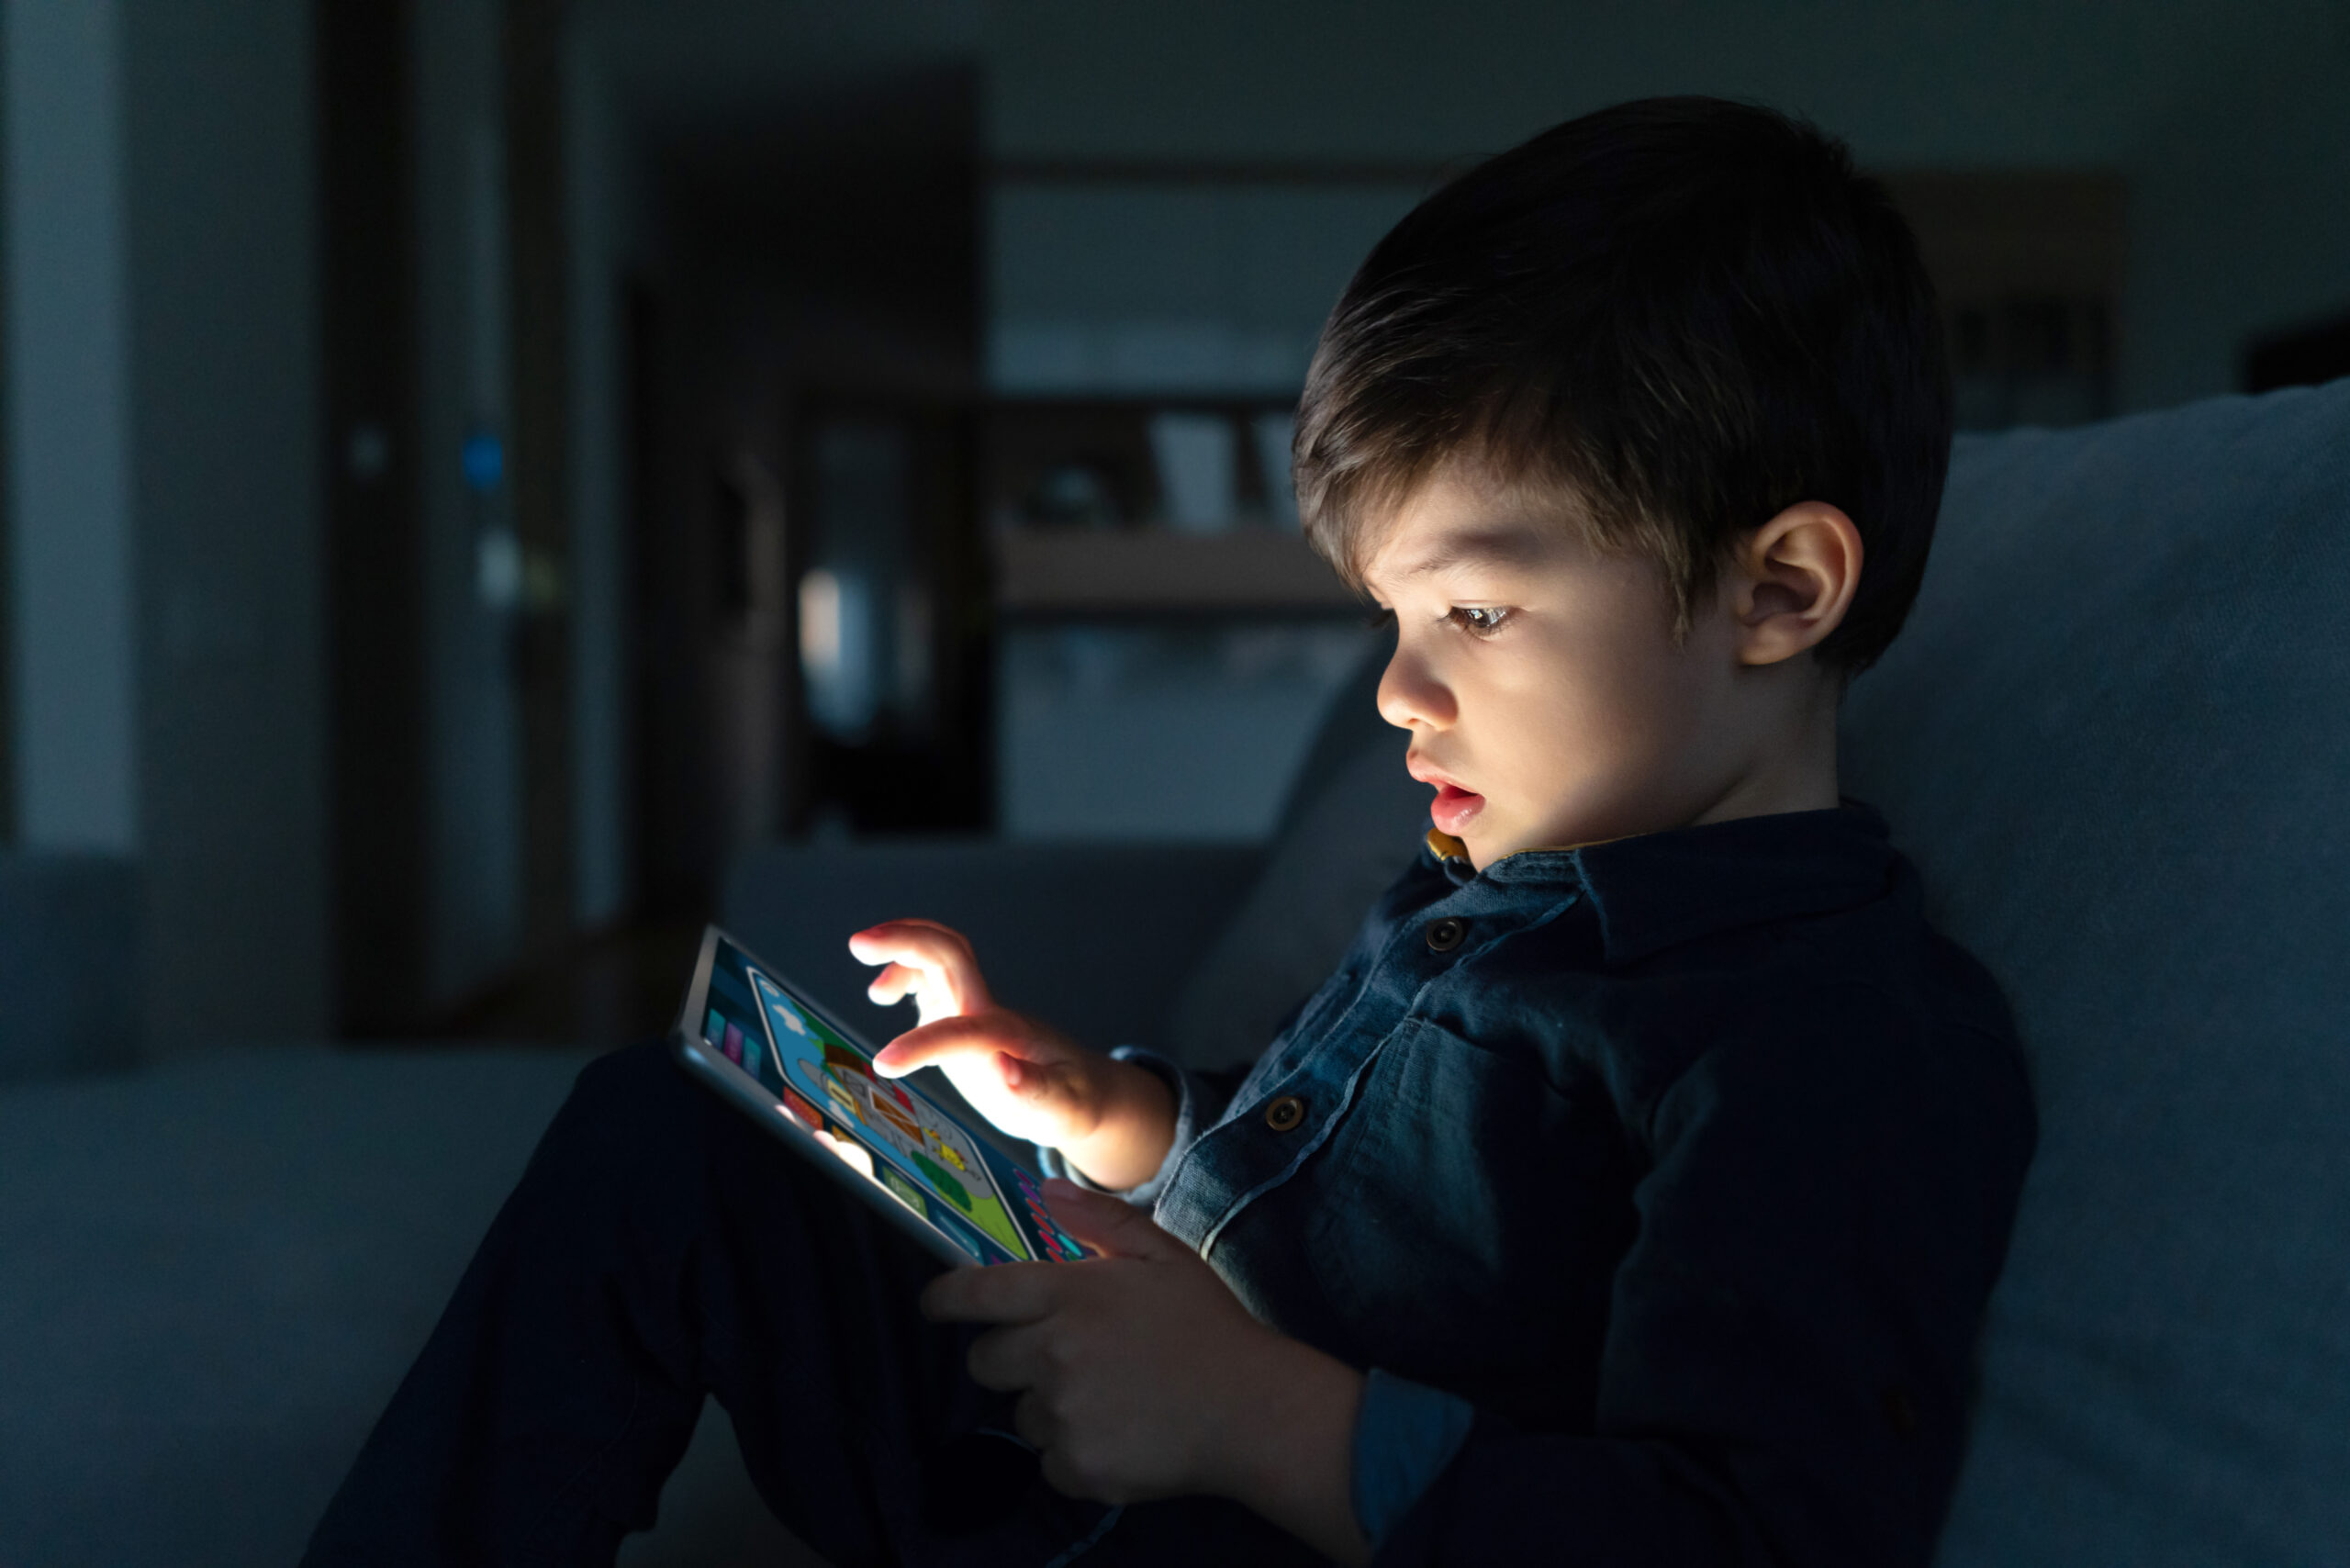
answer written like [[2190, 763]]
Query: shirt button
[[1445, 935], [1285, 1113]]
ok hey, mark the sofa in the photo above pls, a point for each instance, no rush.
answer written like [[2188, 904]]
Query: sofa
[[2115, 736]]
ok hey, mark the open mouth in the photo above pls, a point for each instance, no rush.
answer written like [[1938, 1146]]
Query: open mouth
[[1455, 808]]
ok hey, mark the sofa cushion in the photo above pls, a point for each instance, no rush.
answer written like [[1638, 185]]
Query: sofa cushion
[[1340, 847], [213, 1272], [2115, 737]]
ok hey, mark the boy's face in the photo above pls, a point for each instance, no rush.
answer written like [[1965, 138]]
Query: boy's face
[[1539, 676]]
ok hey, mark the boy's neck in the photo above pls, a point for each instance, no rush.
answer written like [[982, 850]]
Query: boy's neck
[[1795, 771]]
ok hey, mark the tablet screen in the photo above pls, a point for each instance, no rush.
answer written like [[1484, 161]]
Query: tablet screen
[[896, 1136]]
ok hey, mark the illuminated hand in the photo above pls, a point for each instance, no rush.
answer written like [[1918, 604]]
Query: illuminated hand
[[1141, 1375], [1113, 1120]]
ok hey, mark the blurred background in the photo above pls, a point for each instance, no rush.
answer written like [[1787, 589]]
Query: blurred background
[[471, 468], [487, 484]]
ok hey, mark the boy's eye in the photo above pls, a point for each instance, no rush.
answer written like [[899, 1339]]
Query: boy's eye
[[1478, 619]]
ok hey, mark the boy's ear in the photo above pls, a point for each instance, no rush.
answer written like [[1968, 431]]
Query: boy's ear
[[1791, 581]]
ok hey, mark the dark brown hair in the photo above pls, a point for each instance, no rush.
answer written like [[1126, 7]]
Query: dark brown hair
[[1683, 316]]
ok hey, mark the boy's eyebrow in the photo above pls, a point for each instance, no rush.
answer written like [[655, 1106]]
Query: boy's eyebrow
[[1507, 544]]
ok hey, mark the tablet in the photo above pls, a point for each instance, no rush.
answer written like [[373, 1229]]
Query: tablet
[[756, 1038]]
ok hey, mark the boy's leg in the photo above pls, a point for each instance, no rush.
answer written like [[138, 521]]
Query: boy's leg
[[659, 1245]]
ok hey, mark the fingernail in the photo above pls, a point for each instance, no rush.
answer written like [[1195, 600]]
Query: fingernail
[[1061, 1187], [1013, 1075]]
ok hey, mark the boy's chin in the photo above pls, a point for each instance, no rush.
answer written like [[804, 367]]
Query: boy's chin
[[1488, 841], [1484, 848]]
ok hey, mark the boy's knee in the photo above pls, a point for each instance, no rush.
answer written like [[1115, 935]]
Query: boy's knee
[[645, 1074], [638, 1111], [629, 1107]]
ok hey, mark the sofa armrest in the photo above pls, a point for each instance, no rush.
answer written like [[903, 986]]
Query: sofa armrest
[[1094, 938]]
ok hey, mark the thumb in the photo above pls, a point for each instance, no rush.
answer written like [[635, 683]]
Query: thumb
[[1110, 1224]]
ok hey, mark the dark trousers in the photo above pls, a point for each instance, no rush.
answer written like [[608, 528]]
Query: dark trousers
[[660, 1248]]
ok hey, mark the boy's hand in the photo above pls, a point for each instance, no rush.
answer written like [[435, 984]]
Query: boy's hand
[[1111, 1119], [1141, 1375]]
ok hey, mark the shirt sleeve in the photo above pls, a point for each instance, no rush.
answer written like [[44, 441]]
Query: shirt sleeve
[[1200, 1099], [1785, 1374], [1405, 1433]]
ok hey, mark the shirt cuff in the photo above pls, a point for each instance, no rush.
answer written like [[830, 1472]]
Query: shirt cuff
[[1405, 1434], [1187, 1104]]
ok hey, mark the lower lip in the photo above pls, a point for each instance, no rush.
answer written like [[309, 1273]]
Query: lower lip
[[1455, 808]]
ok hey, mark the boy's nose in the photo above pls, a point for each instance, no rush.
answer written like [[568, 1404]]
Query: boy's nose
[[1411, 697]]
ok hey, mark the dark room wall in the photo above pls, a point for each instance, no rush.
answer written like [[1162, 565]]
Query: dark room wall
[[473, 744], [73, 663], [164, 492], [2231, 123], [226, 487]]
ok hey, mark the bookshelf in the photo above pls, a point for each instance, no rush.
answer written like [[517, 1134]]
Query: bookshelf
[[1107, 507]]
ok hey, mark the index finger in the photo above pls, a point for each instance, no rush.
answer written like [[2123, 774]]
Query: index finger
[[1003, 1293], [931, 948], [927, 1045]]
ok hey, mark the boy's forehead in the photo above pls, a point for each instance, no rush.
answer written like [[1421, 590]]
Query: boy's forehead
[[1460, 518]]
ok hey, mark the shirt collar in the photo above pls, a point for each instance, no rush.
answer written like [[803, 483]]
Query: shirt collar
[[1655, 891]]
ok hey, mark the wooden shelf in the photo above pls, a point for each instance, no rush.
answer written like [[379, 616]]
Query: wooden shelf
[[1148, 570]]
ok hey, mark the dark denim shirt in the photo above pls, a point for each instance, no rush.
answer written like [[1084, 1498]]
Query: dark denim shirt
[[1683, 1164]]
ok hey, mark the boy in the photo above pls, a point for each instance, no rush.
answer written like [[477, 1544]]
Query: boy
[[1633, 1190]]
